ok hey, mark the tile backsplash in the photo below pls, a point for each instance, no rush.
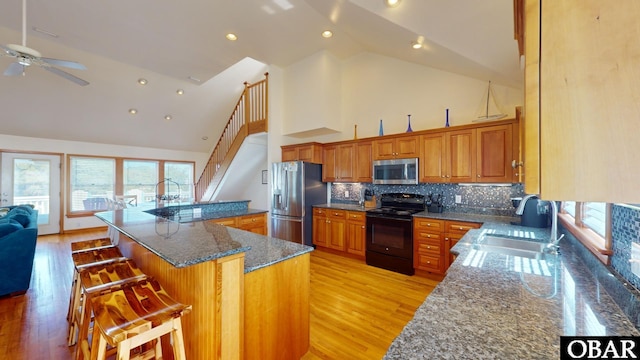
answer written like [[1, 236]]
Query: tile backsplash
[[493, 199], [625, 230]]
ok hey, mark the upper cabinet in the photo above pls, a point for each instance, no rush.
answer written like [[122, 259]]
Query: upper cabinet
[[400, 147], [582, 94], [310, 152], [482, 154], [347, 162]]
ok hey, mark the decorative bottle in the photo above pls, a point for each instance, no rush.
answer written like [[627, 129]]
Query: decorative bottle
[[446, 124], [409, 127], [381, 131]]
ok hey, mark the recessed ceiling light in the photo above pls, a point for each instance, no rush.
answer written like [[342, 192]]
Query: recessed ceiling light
[[231, 36], [167, 117], [392, 3], [416, 45], [133, 111], [205, 138], [180, 92], [142, 81], [194, 79], [327, 34]]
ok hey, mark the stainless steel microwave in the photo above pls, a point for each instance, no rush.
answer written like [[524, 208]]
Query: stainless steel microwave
[[396, 172]]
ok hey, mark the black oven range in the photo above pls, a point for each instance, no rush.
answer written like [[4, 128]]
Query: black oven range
[[389, 242]]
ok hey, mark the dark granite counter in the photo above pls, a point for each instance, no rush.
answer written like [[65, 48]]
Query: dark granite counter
[[342, 206], [186, 243], [494, 306]]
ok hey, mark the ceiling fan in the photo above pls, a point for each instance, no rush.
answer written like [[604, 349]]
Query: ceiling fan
[[26, 57]]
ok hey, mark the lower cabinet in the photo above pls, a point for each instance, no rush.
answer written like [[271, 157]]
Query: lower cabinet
[[432, 241], [339, 230], [256, 223]]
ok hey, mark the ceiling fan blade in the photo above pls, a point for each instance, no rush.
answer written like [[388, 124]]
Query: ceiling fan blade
[[66, 75], [65, 63], [14, 69], [7, 51]]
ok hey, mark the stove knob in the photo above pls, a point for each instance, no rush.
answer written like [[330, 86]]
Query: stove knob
[[386, 249]]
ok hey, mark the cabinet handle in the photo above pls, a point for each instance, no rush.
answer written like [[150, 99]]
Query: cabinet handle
[[478, 175], [428, 247], [362, 227]]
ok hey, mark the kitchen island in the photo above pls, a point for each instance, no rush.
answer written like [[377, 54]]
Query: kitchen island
[[241, 285], [495, 306]]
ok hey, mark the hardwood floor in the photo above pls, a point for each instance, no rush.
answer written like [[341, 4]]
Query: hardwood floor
[[356, 310]]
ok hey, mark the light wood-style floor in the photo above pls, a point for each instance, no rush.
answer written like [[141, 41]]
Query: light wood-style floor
[[356, 310]]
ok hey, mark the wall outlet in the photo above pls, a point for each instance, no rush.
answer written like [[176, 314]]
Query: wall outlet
[[346, 194], [458, 199], [197, 212]]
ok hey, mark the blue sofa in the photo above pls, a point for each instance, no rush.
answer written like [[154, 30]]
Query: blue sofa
[[18, 236]]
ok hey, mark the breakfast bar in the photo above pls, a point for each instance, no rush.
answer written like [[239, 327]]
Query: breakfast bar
[[240, 285]]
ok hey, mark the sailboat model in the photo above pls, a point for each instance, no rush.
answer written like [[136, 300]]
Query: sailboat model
[[490, 102]]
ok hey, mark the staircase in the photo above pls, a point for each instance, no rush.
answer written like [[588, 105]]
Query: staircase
[[250, 116]]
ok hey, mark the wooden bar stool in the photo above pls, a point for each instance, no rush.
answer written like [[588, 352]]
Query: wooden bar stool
[[135, 314], [90, 244], [96, 279], [82, 259]]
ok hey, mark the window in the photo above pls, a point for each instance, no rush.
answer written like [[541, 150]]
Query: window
[[139, 178], [91, 181], [590, 223], [182, 173]]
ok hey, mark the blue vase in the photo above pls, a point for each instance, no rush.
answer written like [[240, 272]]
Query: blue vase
[[446, 124], [409, 128], [381, 132]]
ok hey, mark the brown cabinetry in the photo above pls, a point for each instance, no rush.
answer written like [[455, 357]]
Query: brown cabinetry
[[347, 162], [310, 152], [356, 233], [329, 228], [432, 240], [256, 223], [482, 154], [400, 147], [581, 93]]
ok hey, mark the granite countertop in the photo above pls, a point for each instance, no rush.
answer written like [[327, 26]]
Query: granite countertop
[[343, 206], [494, 306], [183, 244]]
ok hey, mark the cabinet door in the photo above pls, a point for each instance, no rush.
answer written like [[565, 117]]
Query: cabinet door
[[356, 236], [305, 153], [433, 167], [363, 166], [329, 163], [344, 162], [289, 154], [407, 147], [231, 222], [383, 149], [337, 232], [461, 159], [254, 223], [319, 228], [494, 153], [531, 118]]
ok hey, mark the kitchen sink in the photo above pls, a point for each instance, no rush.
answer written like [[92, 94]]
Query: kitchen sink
[[510, 246]]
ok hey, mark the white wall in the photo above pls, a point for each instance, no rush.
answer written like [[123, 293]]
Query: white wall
[[375, 87], [27, 144]]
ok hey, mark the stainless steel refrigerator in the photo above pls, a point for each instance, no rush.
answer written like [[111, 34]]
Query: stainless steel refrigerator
[[295, 187]]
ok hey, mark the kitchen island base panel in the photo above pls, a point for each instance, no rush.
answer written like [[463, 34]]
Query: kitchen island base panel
[[277, 310], [214, 328]]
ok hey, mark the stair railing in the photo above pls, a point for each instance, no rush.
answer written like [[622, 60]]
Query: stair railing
[[249, 116]]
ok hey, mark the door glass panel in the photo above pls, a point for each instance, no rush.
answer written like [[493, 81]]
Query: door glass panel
[[32, 186]]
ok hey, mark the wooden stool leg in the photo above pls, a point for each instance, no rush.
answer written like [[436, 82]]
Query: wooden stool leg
[[73, 305], [124, 350], [178, 340]]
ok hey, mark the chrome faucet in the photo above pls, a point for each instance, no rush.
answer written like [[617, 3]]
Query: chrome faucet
[[553, 246]]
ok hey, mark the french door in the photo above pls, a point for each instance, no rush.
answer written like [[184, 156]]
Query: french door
[[33, 179]]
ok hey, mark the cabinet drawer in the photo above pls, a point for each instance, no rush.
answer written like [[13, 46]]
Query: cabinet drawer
[[460, 227], [428, 262], [320, 211], [356, 216], [336, 214], [430, 224], [426, 235], [252, 220], [225, 221], [428, 247]]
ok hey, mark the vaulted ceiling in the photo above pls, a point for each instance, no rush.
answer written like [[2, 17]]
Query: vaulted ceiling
[[182, 45]]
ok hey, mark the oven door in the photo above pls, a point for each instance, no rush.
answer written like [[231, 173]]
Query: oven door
[[390, 236]]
